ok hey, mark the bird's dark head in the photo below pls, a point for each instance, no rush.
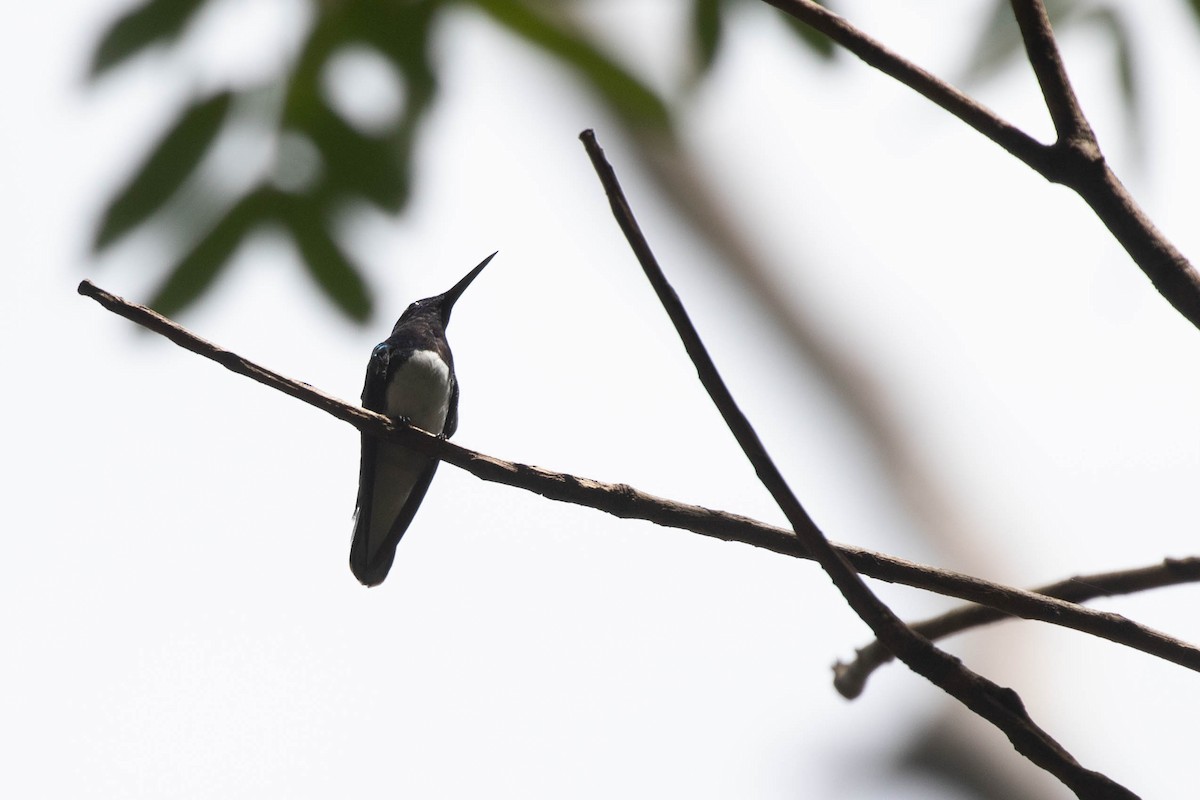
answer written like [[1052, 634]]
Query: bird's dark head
[[439, 306]]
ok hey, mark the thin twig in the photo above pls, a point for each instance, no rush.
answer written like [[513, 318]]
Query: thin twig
[[850, 679], [1073, 162], [1000, 706], [626, 502]]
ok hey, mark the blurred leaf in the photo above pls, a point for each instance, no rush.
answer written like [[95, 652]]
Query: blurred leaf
[[358, 164], [999, 41], [960, 762], [152, 22], [327, 263], [196, 270], [1118, 31], [164, 170], [706, 33], [816, 41], [302, 98], [403, 33], [631, 99], [1195, 6], [354, 164]]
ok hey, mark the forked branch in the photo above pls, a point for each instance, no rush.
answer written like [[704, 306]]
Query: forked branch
[[1074, 160]]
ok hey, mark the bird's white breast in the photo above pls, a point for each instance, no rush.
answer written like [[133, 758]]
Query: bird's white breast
[[420, 390]]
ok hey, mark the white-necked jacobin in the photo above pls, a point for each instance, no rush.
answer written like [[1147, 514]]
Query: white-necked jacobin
[[410, 376]]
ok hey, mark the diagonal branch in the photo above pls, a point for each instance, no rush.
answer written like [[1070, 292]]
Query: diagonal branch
[[999, 705], [850, 679], [626, 502]]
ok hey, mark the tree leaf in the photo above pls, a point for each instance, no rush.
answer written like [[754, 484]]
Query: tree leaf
[[403, 32], [999, 40], [1115, 26], [152, 22], [706, 33], [1117, 29], [166, 168], [378, 168], [357, 163], [195, 271], [624, 94], [327, 263]]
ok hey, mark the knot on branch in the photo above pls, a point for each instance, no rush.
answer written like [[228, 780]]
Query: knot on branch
[[1010, 700]]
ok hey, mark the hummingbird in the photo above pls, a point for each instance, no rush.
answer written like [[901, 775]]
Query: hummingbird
[[411, 377]]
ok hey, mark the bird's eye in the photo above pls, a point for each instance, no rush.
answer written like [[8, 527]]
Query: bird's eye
[[380, 350]]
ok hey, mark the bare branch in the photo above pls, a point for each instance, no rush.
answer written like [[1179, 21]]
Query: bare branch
[[999, 705], [850, 679], [1078, 163], [626, 502]]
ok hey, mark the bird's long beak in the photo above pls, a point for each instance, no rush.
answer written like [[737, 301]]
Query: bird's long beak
[[451, 296]]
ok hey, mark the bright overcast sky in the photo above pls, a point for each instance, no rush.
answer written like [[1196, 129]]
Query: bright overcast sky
[[179, 619]]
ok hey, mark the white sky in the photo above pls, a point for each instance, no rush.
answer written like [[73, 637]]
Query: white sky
[[179, 618]]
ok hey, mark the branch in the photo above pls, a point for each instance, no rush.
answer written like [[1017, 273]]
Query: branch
[[1070, 124], [626, 502], [1079, 164], [999, 705], [1075, 161], [850, 679]]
